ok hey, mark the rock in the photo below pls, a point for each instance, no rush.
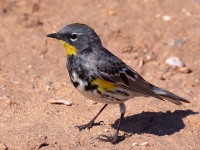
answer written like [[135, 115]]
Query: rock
[[185, 70], [29, 66], [135, 144], [148, 57], [127, 49], [174, 62], [144, 144], [112, 12], [141, 63], [61, 101], [166, 18], [106, 130], [186, 12], [94, 103], [176, 42]]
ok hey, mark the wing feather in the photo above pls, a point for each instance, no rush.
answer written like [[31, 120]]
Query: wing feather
[[117, 72]]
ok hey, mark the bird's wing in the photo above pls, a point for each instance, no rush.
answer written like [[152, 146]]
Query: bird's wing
[[116, 71]]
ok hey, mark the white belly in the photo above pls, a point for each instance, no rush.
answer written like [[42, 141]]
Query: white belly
[[95, 96]]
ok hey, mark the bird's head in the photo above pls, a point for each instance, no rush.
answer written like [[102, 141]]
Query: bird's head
[[76, 37]]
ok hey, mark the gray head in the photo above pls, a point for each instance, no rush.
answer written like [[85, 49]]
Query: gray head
[[78, 36]]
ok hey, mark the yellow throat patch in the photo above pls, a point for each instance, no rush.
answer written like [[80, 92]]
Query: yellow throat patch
[[104, 85], [71, 50]]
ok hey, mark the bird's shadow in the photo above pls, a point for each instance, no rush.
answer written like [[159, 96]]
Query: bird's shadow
[[157, 123]]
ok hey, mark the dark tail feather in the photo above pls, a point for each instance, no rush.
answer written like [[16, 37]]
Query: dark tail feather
[[169, 96]]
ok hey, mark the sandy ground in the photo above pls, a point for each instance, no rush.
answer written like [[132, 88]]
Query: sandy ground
[[143, 33]]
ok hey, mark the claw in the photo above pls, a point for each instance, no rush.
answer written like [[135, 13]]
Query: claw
[[109, 138], [114, 139], [88, 125]]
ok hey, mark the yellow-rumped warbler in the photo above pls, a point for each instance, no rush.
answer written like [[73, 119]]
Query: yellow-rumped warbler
[[101, 76]]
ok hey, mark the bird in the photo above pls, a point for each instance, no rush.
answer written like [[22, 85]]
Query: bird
[[101, 76]]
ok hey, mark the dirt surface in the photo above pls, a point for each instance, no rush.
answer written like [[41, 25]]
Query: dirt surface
[[143, 33]]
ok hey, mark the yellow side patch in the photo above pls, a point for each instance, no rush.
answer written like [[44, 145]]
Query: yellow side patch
[[103, 85], [71, 50]]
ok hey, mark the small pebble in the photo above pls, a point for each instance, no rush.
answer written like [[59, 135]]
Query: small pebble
[[106, 130], [127, 49], [144, 144], [166, 18], [15, 82], [174, 62], [148, 57], [49, 88], [135, 144], [112, 13], [162, 78], [185, 70], [141, 63], [61, 101], [94, 103], [197, 81], [29, 66], [187, 13], [177, 42]]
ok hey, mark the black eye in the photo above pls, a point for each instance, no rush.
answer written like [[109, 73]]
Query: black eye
[[73, 37]]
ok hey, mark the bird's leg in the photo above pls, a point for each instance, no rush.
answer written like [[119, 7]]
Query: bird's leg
[[115, 138], [91, 123]]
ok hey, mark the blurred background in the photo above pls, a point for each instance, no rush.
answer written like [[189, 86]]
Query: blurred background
[[159, 39]]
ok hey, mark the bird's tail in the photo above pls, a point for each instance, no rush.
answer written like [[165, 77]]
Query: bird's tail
[[169, 96]]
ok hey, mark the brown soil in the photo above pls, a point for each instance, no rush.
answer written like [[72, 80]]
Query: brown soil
[[32, 71]]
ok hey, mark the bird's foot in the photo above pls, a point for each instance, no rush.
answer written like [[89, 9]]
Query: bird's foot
[[114, 139], [88, 125]]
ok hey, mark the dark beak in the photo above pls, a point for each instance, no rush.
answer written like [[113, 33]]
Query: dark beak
[[54, 35]]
